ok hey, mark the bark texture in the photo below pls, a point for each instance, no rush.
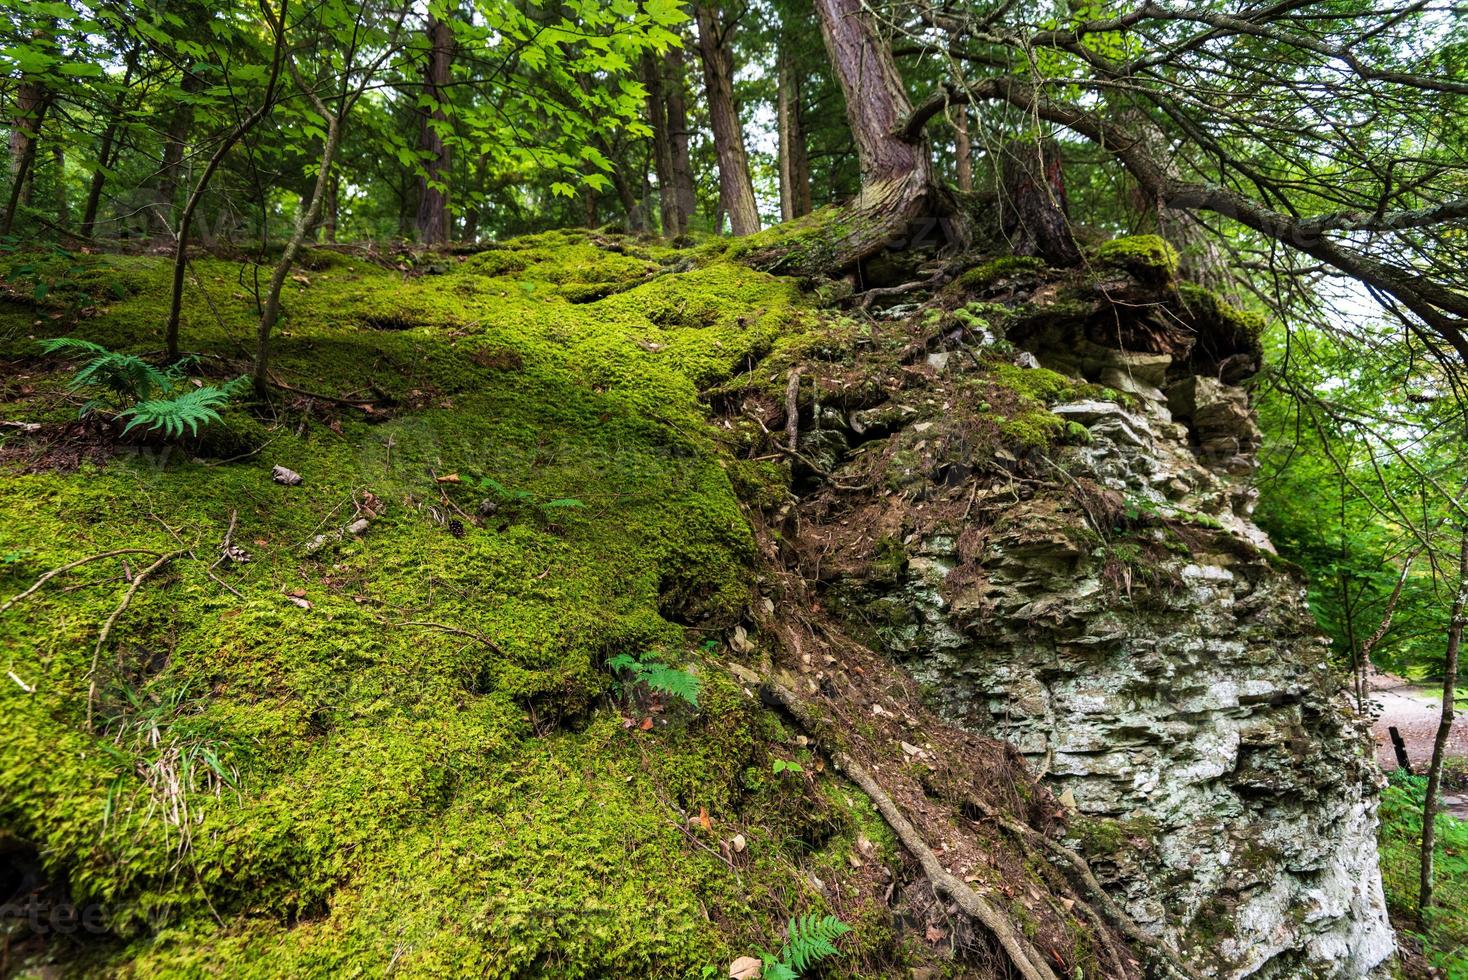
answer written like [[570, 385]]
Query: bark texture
[[677, 102], [1035, 214], [105, 146], [736, 190], [170, 170], [672, 222], [433, 203], [963, 151], [1457, 623], [31, 102], [795, 195]]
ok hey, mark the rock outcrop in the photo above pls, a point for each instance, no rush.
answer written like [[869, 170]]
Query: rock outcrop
[[1108, 606]]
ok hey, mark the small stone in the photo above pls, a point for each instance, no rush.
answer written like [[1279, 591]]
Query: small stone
[[739, 843], [289, 478]]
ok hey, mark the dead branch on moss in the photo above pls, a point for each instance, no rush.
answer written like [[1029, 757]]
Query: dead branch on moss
[[792, 411], [106, 632], [1026, 960], [62, 569], [459, 631]]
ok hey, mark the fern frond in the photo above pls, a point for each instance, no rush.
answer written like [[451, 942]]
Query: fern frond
[[675, 683], [71, 345], [810, 939], [173, 415]]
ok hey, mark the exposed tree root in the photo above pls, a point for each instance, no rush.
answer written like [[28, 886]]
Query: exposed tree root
[[1022, 954], [1079, 872]]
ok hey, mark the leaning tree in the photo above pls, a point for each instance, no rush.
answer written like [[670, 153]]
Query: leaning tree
[[1328, 133]]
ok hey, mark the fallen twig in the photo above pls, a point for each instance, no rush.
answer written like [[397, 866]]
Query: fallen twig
[[48, 576], [792, 411], [458, 631], [127, 599]]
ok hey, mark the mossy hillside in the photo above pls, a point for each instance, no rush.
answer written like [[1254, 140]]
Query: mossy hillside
[[405, 791]]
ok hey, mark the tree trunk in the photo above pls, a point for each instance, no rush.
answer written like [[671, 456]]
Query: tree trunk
[[186, 219], [104, 148], [897, 176], [628, 197], [63, 208], [736, 190], [673, 223], [31, 103], [683, 184], [333, 214], [795, 198], [1444, 728], [306, 216], [175, 142], [433, 211], [1034, 211], [963, 151]]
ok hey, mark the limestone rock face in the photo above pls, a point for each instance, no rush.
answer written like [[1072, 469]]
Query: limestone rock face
[[1151, 656]]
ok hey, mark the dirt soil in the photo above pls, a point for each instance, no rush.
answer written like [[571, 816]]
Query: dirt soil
[[1413, 709]]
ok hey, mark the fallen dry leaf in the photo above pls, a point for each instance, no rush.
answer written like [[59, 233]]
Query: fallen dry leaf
[[703, 819], [745, 968], [646, 724], [935, 934]]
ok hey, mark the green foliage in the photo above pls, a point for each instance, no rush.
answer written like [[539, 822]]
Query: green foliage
[[1443, 932], [126, 378], [808, 940], [188, 411], [46, 271], [123, 377], [649, 670], [784, 765]]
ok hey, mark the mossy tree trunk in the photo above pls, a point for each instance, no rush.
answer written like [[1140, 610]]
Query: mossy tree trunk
[[897, 187], [736, 189]]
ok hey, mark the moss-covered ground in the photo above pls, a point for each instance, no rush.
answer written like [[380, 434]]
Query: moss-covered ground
[[404, 752]]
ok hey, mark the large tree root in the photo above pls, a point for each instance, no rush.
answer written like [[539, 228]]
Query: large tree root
[[1079, 873], [1022, 954]]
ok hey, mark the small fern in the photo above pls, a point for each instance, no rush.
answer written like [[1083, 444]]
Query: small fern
[[187, 411], [658, 676], [125, 377], [808, 940]]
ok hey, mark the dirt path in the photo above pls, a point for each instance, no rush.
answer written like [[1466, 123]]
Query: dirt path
[[1413, 709]]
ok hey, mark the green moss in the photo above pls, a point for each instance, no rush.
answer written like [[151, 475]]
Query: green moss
[[1244, 326], [988, 273], [1147, 257], [406, 793]]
